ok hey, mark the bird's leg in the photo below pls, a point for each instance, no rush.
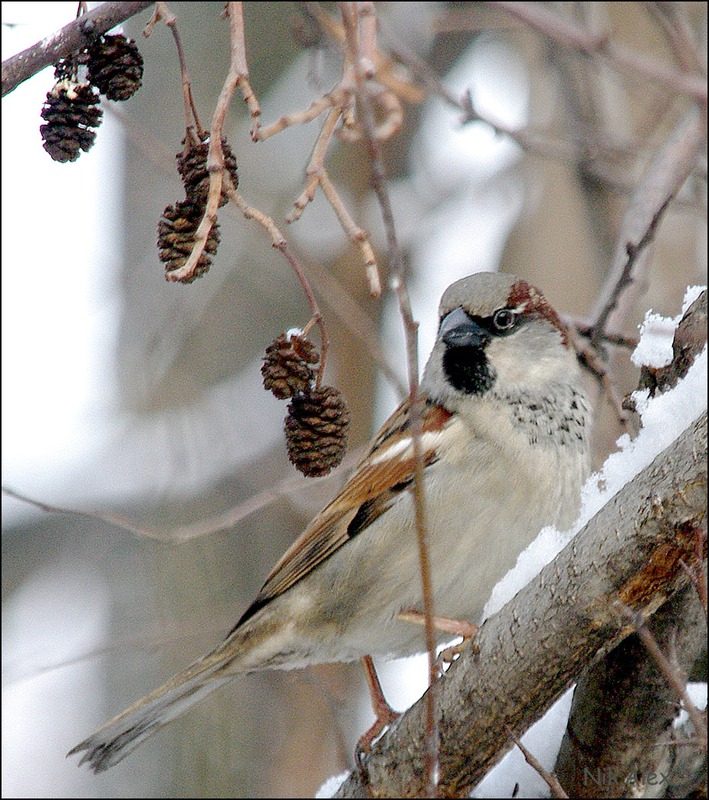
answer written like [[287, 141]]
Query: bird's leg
[[456, 627], [384, 713]]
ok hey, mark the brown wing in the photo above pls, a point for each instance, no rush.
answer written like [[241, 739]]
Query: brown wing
[[374, 485]]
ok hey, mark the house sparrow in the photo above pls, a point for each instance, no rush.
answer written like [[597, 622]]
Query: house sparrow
[[505, 450]]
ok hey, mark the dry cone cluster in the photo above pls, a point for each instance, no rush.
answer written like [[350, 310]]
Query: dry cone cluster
[[317, 419]]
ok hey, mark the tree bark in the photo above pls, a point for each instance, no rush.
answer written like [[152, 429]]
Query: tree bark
[[624, 706]]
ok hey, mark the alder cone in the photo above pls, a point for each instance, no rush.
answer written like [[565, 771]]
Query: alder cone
[[288, 367], [316, 430], [192, 166], [115, 66], [71, 113], [176, 236]]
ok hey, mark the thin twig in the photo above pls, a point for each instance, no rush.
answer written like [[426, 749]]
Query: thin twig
[[317, 316], [162, 11], [218, 178], [279, 241], [314, 110], [416, 400], [390, 109], [337, 297], [357, 235], [385, 72], [680, 36], [538, 142], [670, 166], [557, 790], [368, 39], [235, 12], [591, 355], [316, 166], [626, 275], [194, 530], [586, 330], [364, 57], [542, 143], [590, 358], [317, 176], [119, 520], [215, 156], [340, 300]]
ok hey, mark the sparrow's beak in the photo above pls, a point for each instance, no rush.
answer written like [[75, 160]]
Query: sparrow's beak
[[459, 330]]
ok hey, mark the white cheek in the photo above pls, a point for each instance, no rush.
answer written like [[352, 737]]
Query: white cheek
[[510, 365], [531, 359]]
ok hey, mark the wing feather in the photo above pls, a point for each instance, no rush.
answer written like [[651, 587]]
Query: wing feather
[[381, 475]]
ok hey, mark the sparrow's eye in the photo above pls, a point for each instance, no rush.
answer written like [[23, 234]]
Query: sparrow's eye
[[504, 319]]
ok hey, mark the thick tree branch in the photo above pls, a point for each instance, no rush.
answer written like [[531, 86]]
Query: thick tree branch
[[64, 42], [623, 706], [529, 653]]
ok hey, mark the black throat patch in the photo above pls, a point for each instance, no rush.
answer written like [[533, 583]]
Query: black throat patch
[[468, 369]]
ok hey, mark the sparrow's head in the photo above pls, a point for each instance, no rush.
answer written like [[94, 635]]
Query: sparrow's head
[[498, 333]]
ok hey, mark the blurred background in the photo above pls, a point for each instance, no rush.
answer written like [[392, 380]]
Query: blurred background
[[127, 395]]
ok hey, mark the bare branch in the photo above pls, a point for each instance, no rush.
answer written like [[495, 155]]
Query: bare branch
[[163, 12], [63, 43], [179, 534], [280, 243], [625, 278], [550, 779], [315, 170], [215, 156], [590, 358], [663, 177], [240, 66], [565, 33], [586, 329], [411, 336], [673, 21]]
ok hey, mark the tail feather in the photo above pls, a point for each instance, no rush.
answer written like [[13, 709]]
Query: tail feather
[[121, 735]]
